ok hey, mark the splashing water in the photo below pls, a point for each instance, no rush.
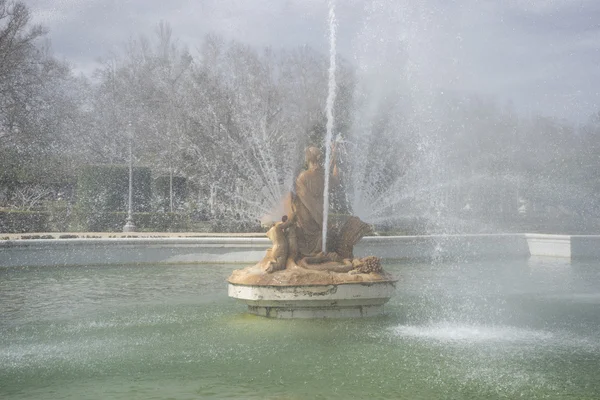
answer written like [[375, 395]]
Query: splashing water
[[329, 112]]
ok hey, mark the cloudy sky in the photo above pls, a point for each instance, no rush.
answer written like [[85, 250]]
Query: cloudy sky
[[541, 55]]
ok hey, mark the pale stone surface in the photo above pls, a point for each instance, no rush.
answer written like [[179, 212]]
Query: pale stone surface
[[107, 251], [238, 249], [347, 300], [306, 313], [549, 245]]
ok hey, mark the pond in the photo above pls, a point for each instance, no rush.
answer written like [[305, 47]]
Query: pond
[[460, 330]]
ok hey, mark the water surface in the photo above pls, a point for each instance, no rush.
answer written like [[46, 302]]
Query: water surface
[[469, 330]]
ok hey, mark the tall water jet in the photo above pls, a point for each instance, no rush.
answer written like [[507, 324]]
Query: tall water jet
[[329, 112]]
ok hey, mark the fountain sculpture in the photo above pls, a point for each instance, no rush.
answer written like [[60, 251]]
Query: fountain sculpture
[[296, 278]]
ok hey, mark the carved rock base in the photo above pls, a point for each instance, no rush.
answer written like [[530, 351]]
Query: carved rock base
[[345, 300]]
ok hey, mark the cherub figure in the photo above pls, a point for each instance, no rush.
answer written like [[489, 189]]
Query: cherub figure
[[276, 257]]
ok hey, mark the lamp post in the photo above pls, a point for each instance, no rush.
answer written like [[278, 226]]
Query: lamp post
[[130, 226]]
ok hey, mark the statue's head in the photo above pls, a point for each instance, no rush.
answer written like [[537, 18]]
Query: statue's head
[[313, 155]]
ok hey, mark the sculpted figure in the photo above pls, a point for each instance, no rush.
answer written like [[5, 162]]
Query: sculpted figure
[[297, 241], [307, 204], [292, 240], [276, 257], [296, 257]]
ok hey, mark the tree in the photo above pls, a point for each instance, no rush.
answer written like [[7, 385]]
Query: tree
[[36, 104], [20, 60]]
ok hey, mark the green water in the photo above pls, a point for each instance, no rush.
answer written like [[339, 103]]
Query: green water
[[477, 330]]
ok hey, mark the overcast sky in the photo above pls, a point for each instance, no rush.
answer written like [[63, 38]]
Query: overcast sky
[[542, 55]]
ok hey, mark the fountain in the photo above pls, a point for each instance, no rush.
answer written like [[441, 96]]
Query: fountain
[[304, 274], [308, 274], [473, 317]]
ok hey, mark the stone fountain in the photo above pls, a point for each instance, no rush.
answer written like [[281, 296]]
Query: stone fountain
[[299, 277]]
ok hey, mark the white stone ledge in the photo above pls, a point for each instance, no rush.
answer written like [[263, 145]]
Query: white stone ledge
[[347, 300], [199, 241], [46, 252], [549, 245], [248, 250]]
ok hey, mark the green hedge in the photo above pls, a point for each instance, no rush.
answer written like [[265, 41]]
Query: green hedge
[[39, 221], [23, 221], [162, 191], [57, 220], [17, 168], [149, 222], [233, 226], [104, 189], [58, 215]]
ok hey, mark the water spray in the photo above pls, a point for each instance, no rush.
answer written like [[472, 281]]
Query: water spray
[[329, 113]]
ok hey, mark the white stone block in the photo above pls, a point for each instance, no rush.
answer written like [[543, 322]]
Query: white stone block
[[549, 245], [348, 300]]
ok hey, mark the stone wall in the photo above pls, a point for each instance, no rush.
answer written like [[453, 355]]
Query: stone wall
[[248, 250]]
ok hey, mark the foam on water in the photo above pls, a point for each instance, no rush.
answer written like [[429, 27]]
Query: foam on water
[[489, 335], [462, 333], [585, 298]]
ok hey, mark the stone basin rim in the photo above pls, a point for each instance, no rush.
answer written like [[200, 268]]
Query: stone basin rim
[[369, 283]]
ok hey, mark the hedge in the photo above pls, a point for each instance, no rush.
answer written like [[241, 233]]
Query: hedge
[[149, 222], [234, 226], [162, 191], [59, 217], [104, 189], [23, 221]]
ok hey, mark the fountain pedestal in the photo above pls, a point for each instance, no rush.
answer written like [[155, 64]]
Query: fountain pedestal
[[345, 300], [301, 293]]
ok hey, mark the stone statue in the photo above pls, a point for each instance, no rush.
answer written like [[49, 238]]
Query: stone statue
[[307, 204], [285, 247], [276, 257], [297, 240]]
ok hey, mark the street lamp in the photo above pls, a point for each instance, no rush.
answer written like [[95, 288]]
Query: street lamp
[[130, 226]]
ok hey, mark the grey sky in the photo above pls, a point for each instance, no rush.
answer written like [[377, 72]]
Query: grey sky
[[543, 55]]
